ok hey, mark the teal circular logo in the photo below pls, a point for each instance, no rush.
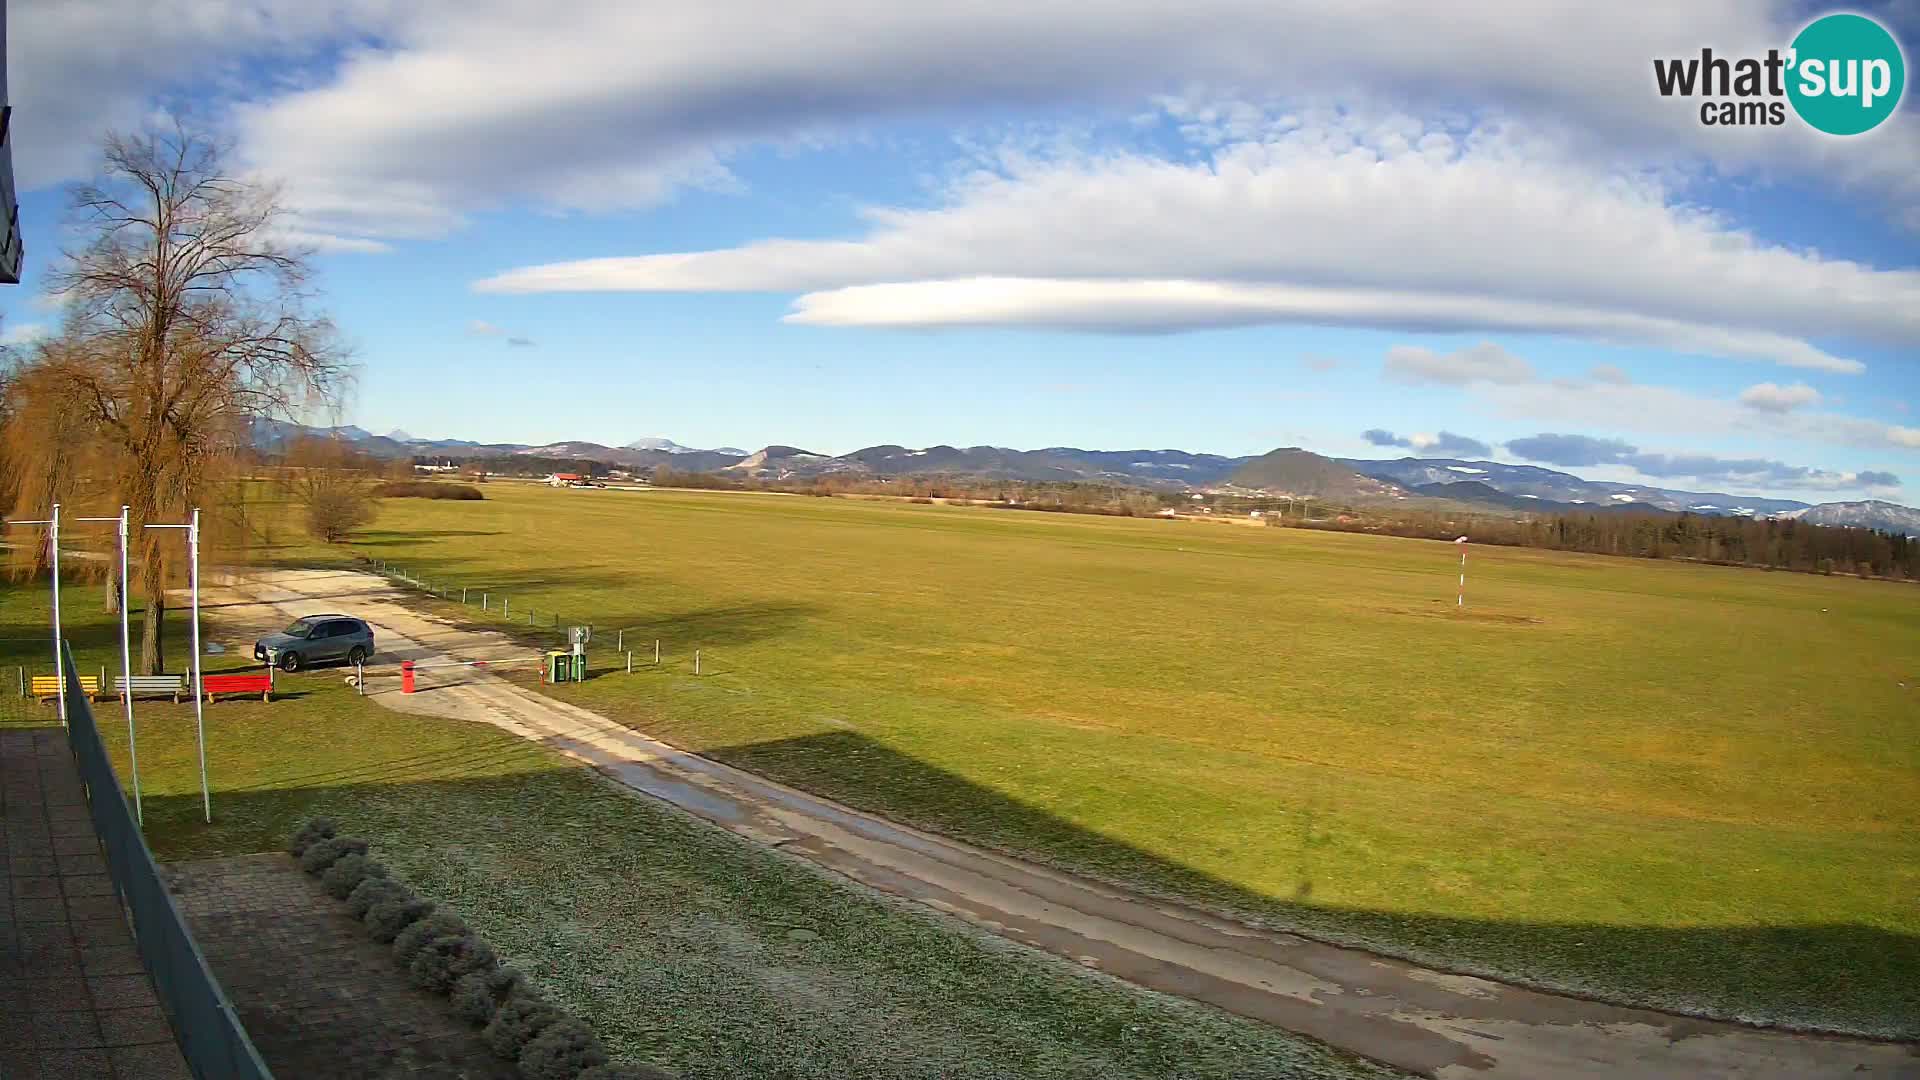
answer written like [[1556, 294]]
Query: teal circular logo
[[1846, 74]]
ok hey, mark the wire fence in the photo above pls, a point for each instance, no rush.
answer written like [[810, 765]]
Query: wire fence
[[211, 1037], [633, 654]]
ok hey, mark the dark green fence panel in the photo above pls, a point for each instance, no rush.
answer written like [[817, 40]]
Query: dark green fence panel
[[215, 1045]]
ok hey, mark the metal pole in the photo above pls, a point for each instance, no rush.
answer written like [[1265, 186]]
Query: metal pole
[[463, 595], [483, 601], [1462, 600], [656, 652], [59, 664], [360, 678], [629, 663], [199, 678], [620, 639], [126, 670], [696, 661]]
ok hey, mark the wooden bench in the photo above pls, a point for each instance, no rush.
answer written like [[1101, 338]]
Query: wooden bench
[[47, 687], [253, 683], [170, 685]]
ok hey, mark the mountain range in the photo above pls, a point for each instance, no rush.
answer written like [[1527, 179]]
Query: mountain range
[[1289, 471]]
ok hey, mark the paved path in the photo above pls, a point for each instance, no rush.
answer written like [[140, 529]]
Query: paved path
[[1428, 1022], [74, 997], [317, 996]]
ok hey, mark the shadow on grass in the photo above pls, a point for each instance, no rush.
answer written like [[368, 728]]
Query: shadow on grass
[[1837, 976], [1840, 975]]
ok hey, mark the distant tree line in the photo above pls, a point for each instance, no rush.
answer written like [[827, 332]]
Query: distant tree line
[[518, 465], [1775, 544], [1078, 497]]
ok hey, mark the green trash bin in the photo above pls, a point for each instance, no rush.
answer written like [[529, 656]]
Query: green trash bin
[[565, 667]]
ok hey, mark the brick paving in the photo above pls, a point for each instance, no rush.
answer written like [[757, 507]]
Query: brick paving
[[75, 1001], [318, 997]]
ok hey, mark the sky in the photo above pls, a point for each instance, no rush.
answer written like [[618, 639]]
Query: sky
[[1373, 229]]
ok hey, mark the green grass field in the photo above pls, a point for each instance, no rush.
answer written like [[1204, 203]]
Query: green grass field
[[669, 935], [1687, 786]]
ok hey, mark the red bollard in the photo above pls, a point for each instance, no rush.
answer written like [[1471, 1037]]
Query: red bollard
[[406, 676]]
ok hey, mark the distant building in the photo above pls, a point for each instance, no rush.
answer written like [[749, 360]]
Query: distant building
[[11, 251], [566, 479]]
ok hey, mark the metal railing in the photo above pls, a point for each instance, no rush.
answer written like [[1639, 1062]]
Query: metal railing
[[214, 1044]]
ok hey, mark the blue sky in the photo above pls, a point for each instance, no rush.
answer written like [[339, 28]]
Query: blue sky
[[1104, 227]]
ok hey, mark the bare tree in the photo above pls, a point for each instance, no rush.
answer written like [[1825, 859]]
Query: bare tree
[[187, 320], [334, 485]]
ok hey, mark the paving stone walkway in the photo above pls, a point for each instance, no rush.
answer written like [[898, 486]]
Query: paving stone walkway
[[318, 997], [75, 1001]]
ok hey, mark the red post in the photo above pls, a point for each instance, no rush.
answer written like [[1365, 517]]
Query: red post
[[406, 676]]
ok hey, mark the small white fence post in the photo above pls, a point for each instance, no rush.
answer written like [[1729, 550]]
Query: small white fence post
[[629, 663], [696, 661], [656, 652]]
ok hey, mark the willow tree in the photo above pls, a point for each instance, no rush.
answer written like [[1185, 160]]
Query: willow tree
[[187, 320]]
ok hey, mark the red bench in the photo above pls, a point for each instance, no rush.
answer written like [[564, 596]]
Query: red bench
[[261, 683]]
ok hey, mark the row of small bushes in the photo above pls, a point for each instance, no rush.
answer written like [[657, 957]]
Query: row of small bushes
[[439, 952], [427, 489]]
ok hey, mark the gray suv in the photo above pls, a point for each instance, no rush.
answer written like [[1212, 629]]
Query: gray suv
[[313, 638]]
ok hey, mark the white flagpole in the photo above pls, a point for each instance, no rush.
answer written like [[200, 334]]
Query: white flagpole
[[199, 681], [126, 668], [1460, 600], [59, 663]]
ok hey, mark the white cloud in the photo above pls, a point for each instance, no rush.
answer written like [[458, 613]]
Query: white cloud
[[1485, 362], [1661, 410], [1335, 220], [678, 87], [23, 333], [1771, 397]]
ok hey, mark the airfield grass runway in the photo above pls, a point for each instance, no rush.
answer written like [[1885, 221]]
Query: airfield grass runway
[[1689, 787]]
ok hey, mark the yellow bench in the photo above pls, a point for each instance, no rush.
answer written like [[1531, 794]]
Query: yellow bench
[[46, 687]]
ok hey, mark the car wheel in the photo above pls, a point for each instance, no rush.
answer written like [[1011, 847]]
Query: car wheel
[[358, 656], [289, 661]]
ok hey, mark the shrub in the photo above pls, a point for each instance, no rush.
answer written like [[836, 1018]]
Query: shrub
[[371, 890], [346, 874], [387, 918], [315, 830], [516, 1022], [427, 489], [477, 994], [625, 1072], [323, 853], [336, 509], [445, 959], [562, 1051], [408, 943]]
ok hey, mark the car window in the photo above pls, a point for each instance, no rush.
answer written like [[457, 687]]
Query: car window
[[301, 628]]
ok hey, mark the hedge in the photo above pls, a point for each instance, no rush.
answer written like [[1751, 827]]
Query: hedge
[[441, 953]]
